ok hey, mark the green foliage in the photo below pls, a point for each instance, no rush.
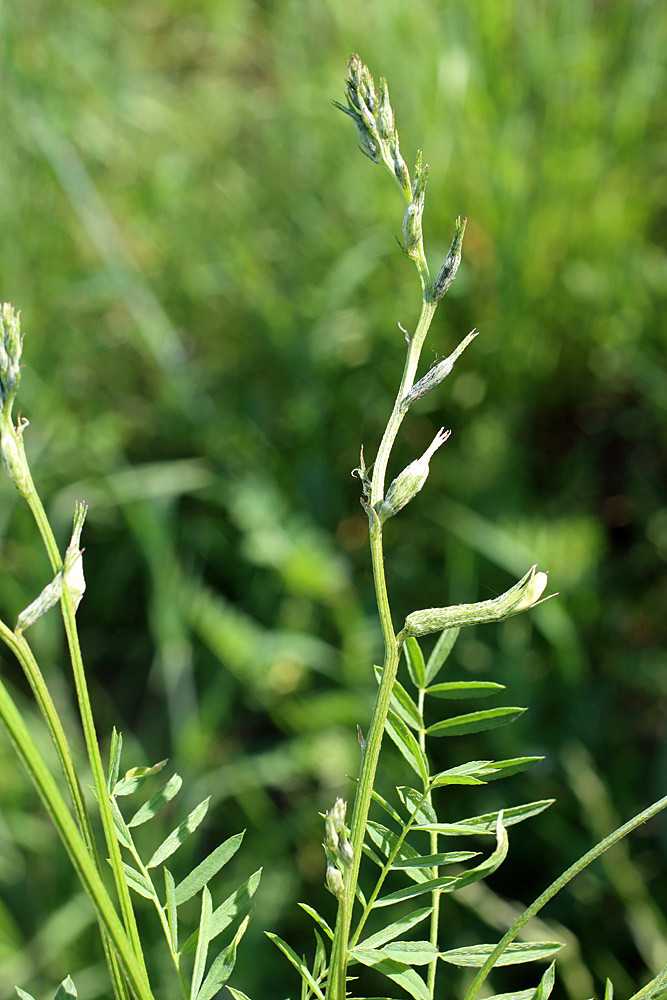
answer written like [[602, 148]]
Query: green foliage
[[171, 172]]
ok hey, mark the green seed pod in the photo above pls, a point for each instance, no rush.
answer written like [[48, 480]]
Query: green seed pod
[[523, 595], [410, 481]]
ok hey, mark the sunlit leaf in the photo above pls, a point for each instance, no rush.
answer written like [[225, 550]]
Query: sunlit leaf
[[227, 911], [475, 722], [464, 689], [399, 926], [202, 943], [115, 751], [403, 704], [417, 804], [431, 860], [135, 777], [415, 661], [210, 866], [122, 833], [155, 803], [172, 914], [407, 952], [66, 990], [414, 890], [23, 995], [179, 835], [398, 972], [407, 744], [138, 882], [441, 651], [487, 823], [543, 991], [223, 966], [476, 955], [386, 840]]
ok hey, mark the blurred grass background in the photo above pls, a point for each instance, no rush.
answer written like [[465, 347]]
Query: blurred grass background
[[210, 290]]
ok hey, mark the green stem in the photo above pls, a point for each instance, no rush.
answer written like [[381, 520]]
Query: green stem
[[77, 850], [435, 895], [161, 915], [336, 985], [87, 721], [97, 767], [556, 886]]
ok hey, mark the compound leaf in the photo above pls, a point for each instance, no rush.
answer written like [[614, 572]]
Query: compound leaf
[[179, 835]]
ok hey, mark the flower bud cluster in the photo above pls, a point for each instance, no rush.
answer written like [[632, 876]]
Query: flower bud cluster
[[373, 118], [412, 220], [11, 342], [523, 595], [337, 848], [12, 451], [410, 481], [451, 262]]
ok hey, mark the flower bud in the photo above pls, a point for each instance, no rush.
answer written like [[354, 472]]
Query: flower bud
[[334, 882], [451, 263], [523, 595], [13, 454], [410, 481], [436, 374], [11, 342]]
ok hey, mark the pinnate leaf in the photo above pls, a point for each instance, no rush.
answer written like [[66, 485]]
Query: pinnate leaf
[[179, 835], [415, 661], [407, 744], [543, 991], [138, 882], [204, 872], [409, 952], [155, 803], [222, 967], [172, 914], [65, 990], [203, 939], [135, 777], [398, 927], [431, 860], [403, 704], [441, 651], [465, 689], [398, 972], [515, 954], [475, 722], [227, 911], [488, 822]]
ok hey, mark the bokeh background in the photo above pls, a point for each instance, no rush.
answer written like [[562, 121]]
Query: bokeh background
[[210, 289]]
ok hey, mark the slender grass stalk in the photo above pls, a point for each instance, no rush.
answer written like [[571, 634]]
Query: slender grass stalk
[[75, 846], [555, 887]]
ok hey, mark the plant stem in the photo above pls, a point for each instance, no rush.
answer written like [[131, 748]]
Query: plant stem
[[336, 984], [435, 895], [87, 721], [77, 850]]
